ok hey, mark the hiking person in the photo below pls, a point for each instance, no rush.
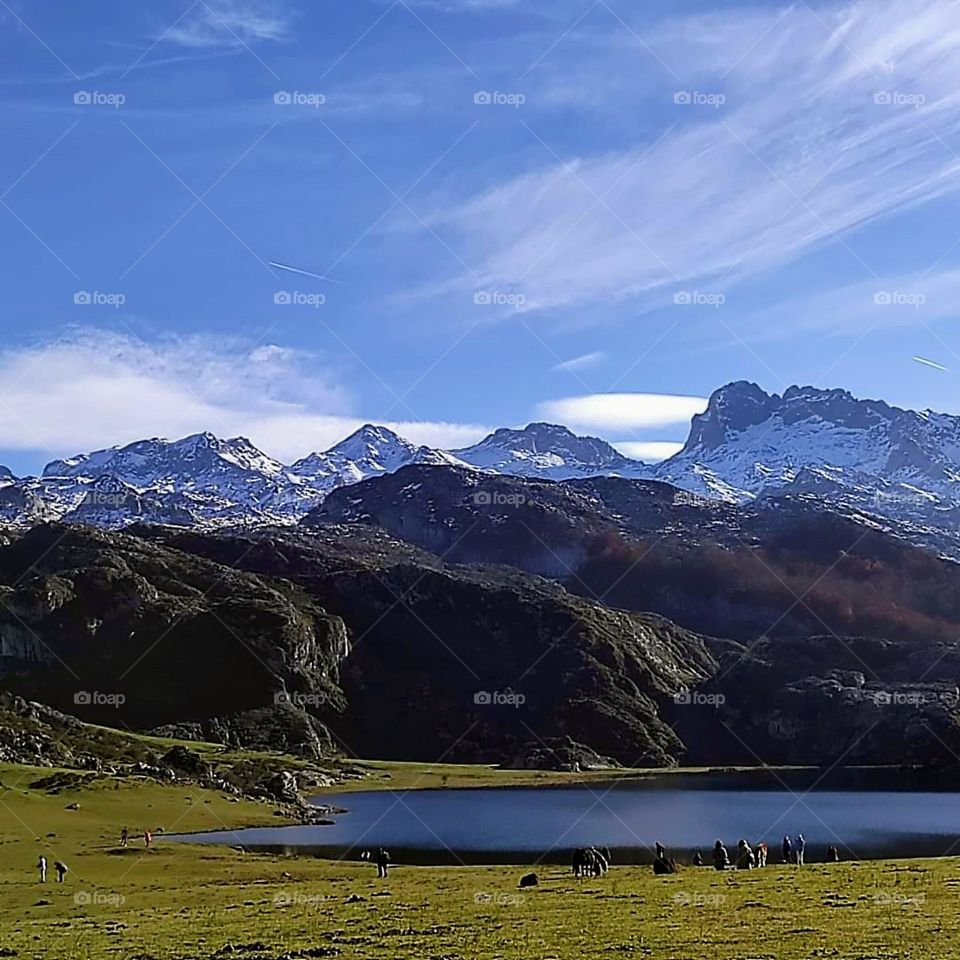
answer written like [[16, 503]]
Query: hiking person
[[801, 844], [382, 861], [124, 836], [61, 869], [42, 867], [721, 859], [147, 838], [787, 850]]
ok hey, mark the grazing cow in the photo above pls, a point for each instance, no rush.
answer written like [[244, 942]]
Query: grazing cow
[[589, 862], [762, 851], [582, 862]]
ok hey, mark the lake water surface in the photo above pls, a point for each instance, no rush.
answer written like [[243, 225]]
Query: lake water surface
[[511, 825]]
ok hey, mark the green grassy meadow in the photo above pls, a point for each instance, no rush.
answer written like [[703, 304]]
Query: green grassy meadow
[[188, 901]]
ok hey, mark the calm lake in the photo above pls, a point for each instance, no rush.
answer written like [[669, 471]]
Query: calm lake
[[687, 812]]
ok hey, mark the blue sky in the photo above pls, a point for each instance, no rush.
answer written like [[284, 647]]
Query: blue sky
[[591, 212]]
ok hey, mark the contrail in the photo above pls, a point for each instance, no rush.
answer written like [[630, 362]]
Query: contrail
[[931, 363], [305, 273]]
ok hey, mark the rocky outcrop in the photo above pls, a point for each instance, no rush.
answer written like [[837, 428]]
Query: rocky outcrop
[[119, 629], [475, 663]]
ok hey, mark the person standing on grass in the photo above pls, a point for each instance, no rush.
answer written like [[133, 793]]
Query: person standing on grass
[[383, 861], [42, 867], [787, 850], [801, 844], [147, 838], [124, 836], [61, 869]]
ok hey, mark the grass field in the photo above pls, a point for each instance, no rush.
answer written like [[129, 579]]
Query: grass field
[[186, 901]]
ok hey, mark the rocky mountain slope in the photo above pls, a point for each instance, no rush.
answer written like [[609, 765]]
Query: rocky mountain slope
[[822, 614], [343, 635], [113, 626], [471, 662], [392, 651]]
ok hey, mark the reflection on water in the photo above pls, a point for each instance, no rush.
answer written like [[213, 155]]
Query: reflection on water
[[522, 824]]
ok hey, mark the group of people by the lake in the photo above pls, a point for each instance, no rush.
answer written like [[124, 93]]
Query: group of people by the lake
[[62, 869], [748, 858], [58, 865], [125, 838]]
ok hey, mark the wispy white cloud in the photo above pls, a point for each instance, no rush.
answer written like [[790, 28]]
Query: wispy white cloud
[[94, 388], [622, 411], [831, 118], [899, 300], [583, 362], [229, 23]]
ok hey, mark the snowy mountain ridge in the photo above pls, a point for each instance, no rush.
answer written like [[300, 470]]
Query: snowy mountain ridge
[[861, 455]]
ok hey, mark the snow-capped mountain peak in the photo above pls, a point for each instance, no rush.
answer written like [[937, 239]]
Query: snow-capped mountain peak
[[749, 443], [549, 451]]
